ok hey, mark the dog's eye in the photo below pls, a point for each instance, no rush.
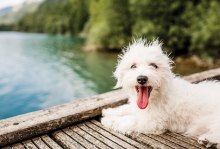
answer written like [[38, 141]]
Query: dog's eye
[[133, 66], [154, 65]]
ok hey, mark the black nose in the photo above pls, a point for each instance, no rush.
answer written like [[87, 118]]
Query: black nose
[[142, 79]]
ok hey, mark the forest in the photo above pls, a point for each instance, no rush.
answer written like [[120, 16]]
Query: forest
[[185, 27]]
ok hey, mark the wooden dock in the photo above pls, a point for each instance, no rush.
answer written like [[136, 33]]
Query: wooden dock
[[76, 125]]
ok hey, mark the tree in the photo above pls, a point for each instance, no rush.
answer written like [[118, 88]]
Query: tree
[[204, 28], [109, 24], [161, 19], [57, 17]]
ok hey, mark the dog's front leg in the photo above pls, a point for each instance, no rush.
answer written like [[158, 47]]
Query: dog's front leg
[[133, 123], [124, 124]]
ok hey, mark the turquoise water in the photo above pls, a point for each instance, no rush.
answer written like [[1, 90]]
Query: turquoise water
[[38, 71]]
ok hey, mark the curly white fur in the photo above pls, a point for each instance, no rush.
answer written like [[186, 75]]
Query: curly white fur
[[174, 104]]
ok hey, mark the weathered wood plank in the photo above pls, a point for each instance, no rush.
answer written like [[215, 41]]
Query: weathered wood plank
[[85, 143], [149, 142], [191, 141], [177, 141], [18, 146], [165, 141], [32, 124], [89, 137], [109, 135], [119, 135], [66, 141], [29, 144], [39, 143], [51, 143], [100, 137], [203, 75]]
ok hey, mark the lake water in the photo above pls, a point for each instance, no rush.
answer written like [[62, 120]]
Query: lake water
[[38, 71]]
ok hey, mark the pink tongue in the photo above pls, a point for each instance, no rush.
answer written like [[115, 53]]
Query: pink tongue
[[142, 100]]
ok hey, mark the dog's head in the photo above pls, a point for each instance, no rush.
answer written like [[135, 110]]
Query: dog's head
[[143, 69]]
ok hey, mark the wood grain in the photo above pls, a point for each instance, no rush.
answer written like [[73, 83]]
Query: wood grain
[[85, 143], [66, 141], [40, 143], [51, 143], [29, 144], [119, 135], [100, 137], [89, 137], [109, 135], [18, 146]]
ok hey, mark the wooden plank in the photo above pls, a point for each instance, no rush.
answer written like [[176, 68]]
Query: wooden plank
[[119, 135], [85, 143], [149, 142], [66, 141], [18, 146], [89, 137], [109, 135], [29, 144], [191, 141], [35, 123], [51, 143], [100, 137], [39, 143], [177, 141], [203, 75], [165, 141]]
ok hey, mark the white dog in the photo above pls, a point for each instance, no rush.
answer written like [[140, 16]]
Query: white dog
[[160, 101]]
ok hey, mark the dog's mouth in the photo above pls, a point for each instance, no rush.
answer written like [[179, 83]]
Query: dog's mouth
[[143, 95]]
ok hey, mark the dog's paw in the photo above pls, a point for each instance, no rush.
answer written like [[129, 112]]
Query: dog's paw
[[107, 112], [108, 121], [122, 124], [208, 144]]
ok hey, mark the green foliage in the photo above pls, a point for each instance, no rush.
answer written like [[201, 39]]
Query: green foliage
[[186, 27], [204, 28], [109, 26], [4, 27], [161, 19], [56, 16]]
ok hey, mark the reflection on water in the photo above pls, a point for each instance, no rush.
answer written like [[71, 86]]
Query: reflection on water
[[39, 71]]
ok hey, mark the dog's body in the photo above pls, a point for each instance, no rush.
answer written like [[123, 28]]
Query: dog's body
[[159, 101]]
